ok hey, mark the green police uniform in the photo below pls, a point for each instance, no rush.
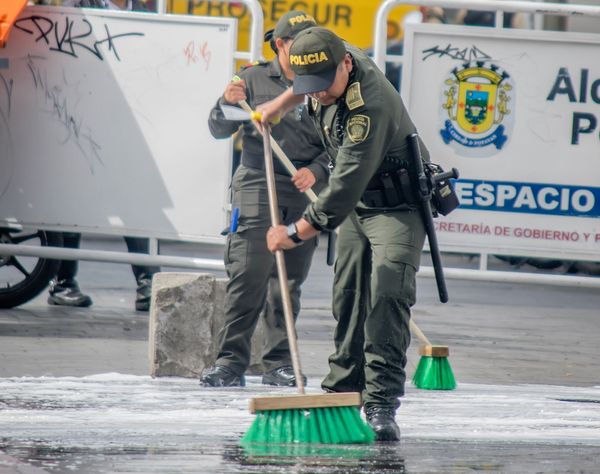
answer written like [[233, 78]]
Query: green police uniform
[[381, 234], [250, 266]]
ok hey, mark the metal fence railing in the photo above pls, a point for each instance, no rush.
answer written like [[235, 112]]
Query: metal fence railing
[[379, 41]]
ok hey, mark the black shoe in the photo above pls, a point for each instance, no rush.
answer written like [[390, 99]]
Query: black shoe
[[66, 293], [221, 376], [143, 294], [381, 420], [282, 376]]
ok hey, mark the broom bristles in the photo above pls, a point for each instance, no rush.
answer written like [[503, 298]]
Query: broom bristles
[[322, 454], [324, 425], [434, 373]]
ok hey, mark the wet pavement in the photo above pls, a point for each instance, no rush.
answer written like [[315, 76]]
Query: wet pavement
[[75, 397], [124, 423]]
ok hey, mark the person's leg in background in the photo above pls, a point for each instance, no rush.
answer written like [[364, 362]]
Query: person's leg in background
[[64, 290], [143, 274], [248, 263]]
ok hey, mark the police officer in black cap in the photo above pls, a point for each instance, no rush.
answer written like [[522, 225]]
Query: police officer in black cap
[[250, 266], [365, 125]]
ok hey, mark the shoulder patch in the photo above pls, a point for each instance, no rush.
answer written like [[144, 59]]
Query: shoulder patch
[[353, 97], [358, 127]]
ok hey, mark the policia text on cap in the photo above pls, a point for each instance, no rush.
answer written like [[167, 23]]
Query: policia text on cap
[[363, 123]]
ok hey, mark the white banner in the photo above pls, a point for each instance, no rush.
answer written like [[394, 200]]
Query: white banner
[[103, 123], [518, 113]]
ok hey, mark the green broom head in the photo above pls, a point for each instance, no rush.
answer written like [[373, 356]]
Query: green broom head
[[309, 424], [434, 371], [320, 456]]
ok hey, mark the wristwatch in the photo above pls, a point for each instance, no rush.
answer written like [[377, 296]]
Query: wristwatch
[[292, 232]]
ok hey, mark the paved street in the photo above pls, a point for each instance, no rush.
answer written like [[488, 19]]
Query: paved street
[[75, 395]]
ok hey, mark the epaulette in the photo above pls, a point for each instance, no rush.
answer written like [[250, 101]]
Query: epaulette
[[354, 97], [255, 63]]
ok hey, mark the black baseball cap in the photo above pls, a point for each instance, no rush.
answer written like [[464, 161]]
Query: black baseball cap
[[290, 24], [314, 58]]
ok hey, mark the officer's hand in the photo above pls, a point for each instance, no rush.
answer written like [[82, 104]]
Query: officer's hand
[[304, 179], [234, 92], [277, 239], [279, 106], [270, 111]]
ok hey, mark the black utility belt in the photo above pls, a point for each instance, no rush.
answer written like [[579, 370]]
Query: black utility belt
[[389, 189], [250, 160]]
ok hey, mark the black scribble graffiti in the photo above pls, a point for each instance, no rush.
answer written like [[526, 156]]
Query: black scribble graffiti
[[58, 106], [465, 54], [6, 142], [72, 36]]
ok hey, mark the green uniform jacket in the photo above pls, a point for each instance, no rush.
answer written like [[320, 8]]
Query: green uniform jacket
[[375, 124], [295, 133]]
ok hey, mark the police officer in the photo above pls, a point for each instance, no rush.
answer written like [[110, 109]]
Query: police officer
[[250, 266], [364, 123]]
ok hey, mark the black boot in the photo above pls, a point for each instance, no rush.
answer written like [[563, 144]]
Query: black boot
[[222, 376], [66, 292], [382, 420], [143, 293], [282, 376]]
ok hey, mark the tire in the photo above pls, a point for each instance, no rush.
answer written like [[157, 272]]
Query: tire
[[545, 263], [23, 278]]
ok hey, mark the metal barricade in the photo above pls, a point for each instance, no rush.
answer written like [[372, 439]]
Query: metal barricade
[[381, 57], [153, 258]]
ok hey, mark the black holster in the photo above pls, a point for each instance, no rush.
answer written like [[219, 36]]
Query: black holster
[[443, 196], [389, 189]]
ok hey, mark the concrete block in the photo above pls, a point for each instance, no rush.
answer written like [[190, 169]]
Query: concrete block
[[186, 319]]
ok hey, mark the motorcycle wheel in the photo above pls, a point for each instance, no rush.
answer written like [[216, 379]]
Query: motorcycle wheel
[[23, 278]]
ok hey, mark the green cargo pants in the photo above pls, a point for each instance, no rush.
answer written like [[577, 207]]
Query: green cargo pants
[[253, 273], [373, 291]]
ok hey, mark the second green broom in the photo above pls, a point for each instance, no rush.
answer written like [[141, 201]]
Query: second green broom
[[434, 371]]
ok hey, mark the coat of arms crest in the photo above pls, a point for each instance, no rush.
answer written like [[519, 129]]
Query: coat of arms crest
[[476, 103]]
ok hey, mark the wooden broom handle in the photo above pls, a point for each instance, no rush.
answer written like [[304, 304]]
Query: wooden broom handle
[[416, 330], [313, 197], [280, 260]]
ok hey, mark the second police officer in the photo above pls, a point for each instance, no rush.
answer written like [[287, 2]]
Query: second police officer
[[250, 266]]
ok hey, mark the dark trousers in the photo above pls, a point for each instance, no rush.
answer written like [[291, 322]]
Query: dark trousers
[[373, 290], [72, 240], [253, 274]]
